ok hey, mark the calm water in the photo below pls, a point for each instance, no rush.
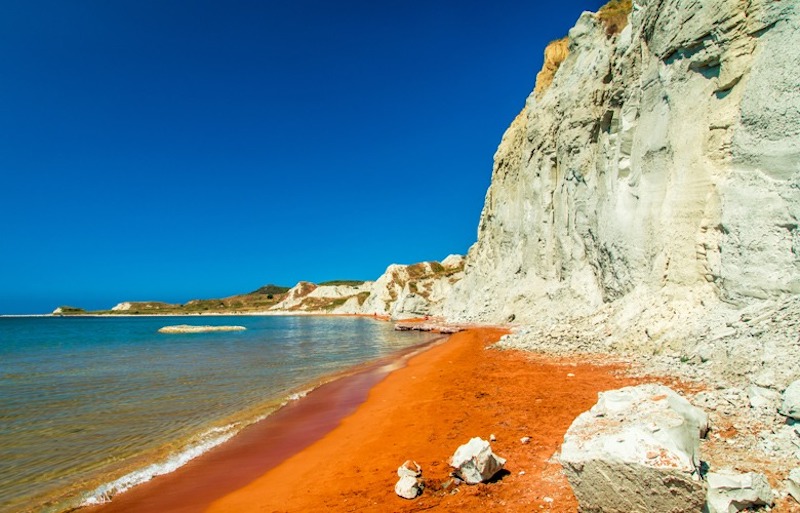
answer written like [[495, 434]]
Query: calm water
[[90, 406]]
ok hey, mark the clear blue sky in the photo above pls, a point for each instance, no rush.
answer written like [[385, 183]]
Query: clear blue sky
[[171, 150]]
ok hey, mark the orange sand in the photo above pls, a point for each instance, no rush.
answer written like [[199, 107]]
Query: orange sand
[[424, 411]]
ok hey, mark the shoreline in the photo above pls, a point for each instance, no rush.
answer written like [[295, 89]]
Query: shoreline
[[322, 402], [209, 314], [421, 407]]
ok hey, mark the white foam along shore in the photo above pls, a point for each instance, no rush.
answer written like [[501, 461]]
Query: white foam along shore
[[202, 444], [187, 328]]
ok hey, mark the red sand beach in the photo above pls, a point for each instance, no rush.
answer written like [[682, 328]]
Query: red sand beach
[[338, 449]]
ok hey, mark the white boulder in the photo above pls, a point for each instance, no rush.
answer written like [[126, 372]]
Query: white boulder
[[791, 401], [793, 484], [475, 462], [636, 450], [729, 492], [410, 485], [763, 398]]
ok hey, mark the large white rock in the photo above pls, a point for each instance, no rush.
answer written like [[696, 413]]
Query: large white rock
[[636, 450], [729, 492], [475, 462], [791, 401]]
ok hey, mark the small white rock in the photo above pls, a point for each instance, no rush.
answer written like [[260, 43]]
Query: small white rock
[[409, 487], [409, 468], [474, 461], [793, 484], [790, 406], [525, 439], [728, 490], [492, 438]]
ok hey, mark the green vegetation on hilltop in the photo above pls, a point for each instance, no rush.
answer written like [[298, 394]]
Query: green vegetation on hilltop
[[271, 290], [333, 283], [69, 310], [259, 300]]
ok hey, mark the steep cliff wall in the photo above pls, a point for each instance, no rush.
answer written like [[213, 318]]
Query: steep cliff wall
[[660, 171]]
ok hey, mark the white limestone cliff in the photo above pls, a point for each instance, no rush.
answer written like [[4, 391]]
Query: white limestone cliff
[[658, 175], [402, 292]]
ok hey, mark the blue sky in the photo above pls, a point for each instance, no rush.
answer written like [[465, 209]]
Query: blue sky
[[170, 150]]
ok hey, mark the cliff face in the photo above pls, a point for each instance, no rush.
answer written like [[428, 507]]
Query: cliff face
[[661, 166]]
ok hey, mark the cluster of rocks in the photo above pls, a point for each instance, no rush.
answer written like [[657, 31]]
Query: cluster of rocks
[[473, 463], [639, 449], [739, 364]]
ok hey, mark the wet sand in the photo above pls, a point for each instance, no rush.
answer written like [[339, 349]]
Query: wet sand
[[423, 412], [260, 447]]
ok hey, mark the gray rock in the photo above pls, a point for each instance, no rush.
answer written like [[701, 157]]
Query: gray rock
[[475, 463], [729, 492], [793, 484], [791, 401], [636, 450], [763, 398]]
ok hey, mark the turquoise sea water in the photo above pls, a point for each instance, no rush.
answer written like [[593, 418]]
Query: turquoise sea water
[[91, 406]]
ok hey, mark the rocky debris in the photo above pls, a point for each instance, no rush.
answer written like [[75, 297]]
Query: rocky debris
[[793, 484], [410, 485], [637, 449], [438, 327], [729, 492], [737, 381], [525, 440], [790, 405], [474, 462], [186, 328]]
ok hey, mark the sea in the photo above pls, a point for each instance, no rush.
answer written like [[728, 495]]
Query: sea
[[91, 406]]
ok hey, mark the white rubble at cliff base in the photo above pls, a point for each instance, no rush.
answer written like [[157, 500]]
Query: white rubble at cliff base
[[636, 450]]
